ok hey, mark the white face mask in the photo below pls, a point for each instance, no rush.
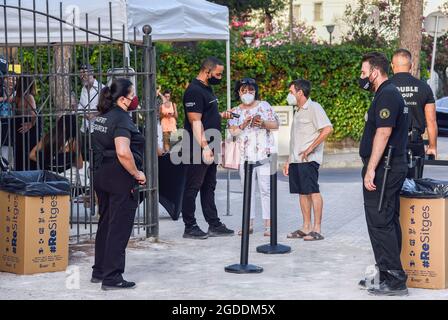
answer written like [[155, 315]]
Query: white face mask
[[292, 100], [247, 98]]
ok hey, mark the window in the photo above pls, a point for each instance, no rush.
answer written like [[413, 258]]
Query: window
[[318, 11], [296, 12]]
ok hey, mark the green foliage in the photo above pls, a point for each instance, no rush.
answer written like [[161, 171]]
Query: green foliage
[[239, 8], [333, 72]]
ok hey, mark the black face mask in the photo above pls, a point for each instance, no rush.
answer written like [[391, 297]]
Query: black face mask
[[214, 81], [364, 83]]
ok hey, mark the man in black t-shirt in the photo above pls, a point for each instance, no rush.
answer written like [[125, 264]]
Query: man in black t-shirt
[[386, 126], [201, 143], [420, 101]]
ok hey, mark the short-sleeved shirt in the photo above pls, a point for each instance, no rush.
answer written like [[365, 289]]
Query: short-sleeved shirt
[[88, 103], [388, 109], [117, 123], [307, 123], [416, 94], [255, 143], [199, 98]]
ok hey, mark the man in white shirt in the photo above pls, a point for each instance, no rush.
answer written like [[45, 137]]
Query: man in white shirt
[[88, 102], [310, 128]]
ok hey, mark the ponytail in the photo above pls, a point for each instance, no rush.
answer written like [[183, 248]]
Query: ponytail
[[108, 97], [105, 102]]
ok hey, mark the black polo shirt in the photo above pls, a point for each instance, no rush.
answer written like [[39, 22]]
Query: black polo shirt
[[388, 109], [417, 94], [117, 123], [200, 98]]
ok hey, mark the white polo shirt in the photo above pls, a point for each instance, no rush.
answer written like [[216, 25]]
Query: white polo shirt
[[307, 123], [88, 103]]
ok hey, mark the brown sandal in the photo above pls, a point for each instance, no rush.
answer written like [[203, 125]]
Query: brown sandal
[[251, 231], [315, 236], [298, 234]]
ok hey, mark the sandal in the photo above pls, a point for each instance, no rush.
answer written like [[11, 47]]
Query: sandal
[[251, 231], [298, 234], [315, 236]]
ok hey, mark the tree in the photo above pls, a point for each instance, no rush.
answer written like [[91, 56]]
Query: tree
[[411, 30], [237, 8], [242, 8]]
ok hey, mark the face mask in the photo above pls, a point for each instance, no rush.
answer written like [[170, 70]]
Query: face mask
[[134, 104], [214, 81], [365, 83], [247, 98], [292, 100]]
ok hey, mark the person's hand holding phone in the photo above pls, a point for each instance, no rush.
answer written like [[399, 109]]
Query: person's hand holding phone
[[247, 122], [257, 121]]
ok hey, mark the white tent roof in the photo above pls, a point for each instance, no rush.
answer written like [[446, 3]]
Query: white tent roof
[[171, 20], [174, 20]]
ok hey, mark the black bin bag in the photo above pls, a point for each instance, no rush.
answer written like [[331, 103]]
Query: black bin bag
[[425, 189], [34, 183]]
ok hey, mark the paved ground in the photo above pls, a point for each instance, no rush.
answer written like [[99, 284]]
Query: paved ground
[[176, 268]]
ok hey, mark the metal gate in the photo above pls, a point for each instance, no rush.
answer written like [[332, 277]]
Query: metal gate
[[48, 95]]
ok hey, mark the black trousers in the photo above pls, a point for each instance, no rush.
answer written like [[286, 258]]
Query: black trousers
[[117, 206], [384, 227], [200, 178]]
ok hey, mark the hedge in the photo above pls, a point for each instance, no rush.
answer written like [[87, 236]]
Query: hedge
[[332, 70]]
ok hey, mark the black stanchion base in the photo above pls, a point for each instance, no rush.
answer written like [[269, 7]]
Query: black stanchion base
[[243, 268], [277, 249]]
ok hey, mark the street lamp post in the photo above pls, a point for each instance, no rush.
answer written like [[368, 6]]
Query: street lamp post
[[435, 23], [330, 29]]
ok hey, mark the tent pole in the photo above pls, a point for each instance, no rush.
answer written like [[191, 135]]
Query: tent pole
[[229, 102], [151, 161]]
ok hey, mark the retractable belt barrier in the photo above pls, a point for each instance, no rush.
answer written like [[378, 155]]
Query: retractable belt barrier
[[273, 247]]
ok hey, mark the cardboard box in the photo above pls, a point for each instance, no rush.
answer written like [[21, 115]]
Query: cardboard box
[[424, 224], [34, 233]]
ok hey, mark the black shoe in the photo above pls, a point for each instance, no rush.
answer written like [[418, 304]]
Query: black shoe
[[96, 280], [195, 232], [118, 286], [220, 231], [385, 290]]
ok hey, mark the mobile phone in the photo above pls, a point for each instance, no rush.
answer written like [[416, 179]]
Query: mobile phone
[[235, 115], [255, 118]]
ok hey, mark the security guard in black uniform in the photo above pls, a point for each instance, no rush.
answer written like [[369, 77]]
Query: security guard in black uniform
[[202, 131], [386, 126], [118, 159], [420, 101]]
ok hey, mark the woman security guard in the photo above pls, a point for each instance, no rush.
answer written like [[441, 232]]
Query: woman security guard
[[118, 159]]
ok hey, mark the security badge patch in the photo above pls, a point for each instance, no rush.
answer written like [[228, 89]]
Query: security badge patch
[[384, 113]]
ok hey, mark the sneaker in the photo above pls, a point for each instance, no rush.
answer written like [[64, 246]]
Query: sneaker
[[118, 286], [195, 232], [385, 290], [220, 231], [96, 280]]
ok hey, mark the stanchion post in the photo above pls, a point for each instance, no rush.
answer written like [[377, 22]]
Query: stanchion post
[[244, 266], [273, 247]]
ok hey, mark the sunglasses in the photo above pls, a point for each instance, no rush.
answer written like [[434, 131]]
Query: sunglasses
[[248, 81]]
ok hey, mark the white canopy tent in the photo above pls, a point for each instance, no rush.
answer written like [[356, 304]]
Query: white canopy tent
[[171, 20], [35, 23]]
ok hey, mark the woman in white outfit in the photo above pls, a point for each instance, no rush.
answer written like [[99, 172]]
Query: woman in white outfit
[[253, 130]]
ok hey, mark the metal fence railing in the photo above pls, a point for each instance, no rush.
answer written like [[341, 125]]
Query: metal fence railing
[[48, 96]]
